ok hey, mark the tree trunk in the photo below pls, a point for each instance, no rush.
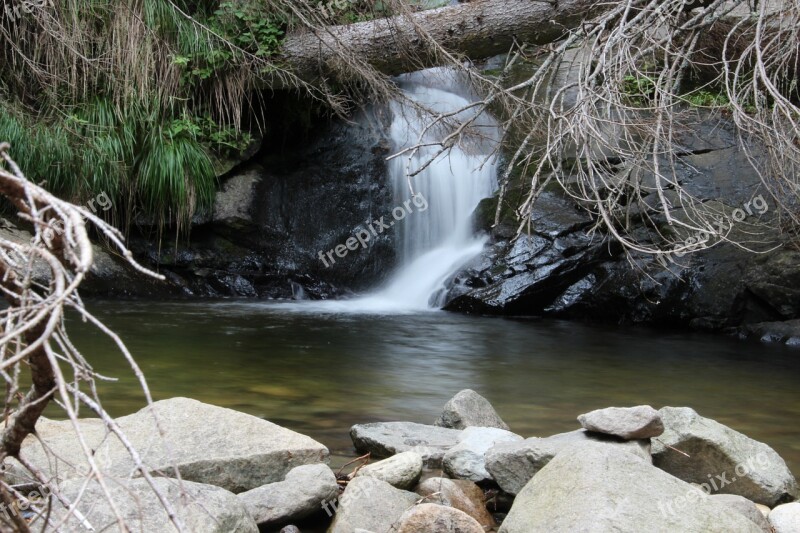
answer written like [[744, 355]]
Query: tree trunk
[[477, 29]]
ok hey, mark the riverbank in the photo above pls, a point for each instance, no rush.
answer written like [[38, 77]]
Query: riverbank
[[622, 469]]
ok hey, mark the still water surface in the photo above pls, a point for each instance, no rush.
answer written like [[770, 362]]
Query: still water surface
[[318, 372]]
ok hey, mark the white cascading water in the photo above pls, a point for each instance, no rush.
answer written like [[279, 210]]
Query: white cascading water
[[435, 242]]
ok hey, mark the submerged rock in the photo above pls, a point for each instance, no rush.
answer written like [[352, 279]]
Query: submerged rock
[[641, 422], [592, 487], [401, 471], [371, 504], [468, 408], [721, 459], [467, 459], [207, 444], [201, 508], [296, 497], [384, 439], [513, 464]]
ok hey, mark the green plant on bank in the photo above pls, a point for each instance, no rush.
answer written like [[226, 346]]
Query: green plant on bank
[[147, 164], [170, 105]]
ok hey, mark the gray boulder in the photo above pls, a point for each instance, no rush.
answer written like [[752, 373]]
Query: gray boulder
[[401, 471], [467, 459], [384, 439], [468, 408], [786, 518], [460, 494], [641, 422], [744, 507], [721, 459], [371, 504], [592, 487], [301, 494], [432, 518], [207, 444], [235, 204], [201, 508], [513, 464]]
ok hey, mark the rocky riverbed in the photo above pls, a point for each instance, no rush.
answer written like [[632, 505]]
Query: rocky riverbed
[[627, 469]]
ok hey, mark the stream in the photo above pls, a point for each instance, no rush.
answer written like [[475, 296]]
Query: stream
[[319, 372]]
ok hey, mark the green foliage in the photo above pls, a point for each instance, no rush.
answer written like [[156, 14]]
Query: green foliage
[[149, 139], [708, 98], [639, 90], [162, 166]]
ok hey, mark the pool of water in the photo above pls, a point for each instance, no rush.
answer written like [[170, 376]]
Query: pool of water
[[318, 370]]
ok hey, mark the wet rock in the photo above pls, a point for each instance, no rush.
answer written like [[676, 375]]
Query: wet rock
[[558, 270], [384, 439], [468, 408], [371, 504], [592, 487], [460, 494], [721, 456], [786, 518], [467, 459], [401, 471], [787, 332], [207, 444], [433, 518], [744, 507], [201, 508], [641, 422], [513, 464], [296, 497]]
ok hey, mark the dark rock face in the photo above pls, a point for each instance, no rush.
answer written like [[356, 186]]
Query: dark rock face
[[274, 216], [560, 269]]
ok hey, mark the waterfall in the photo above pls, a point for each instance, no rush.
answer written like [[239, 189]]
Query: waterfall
[[434, 243], [434, 231]]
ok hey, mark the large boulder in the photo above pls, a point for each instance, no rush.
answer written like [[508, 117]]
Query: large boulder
[[301, 494], [513, 464], [432, 518], [200, 508], [460, 494], [467, 459], [384, 439], [786, 518], [468, 408], [592, 487], [207, 444], [721, 459], [371, 504], [401, 471], [641, 422]]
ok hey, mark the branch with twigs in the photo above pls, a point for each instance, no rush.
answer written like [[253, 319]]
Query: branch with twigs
[[33, 336]]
